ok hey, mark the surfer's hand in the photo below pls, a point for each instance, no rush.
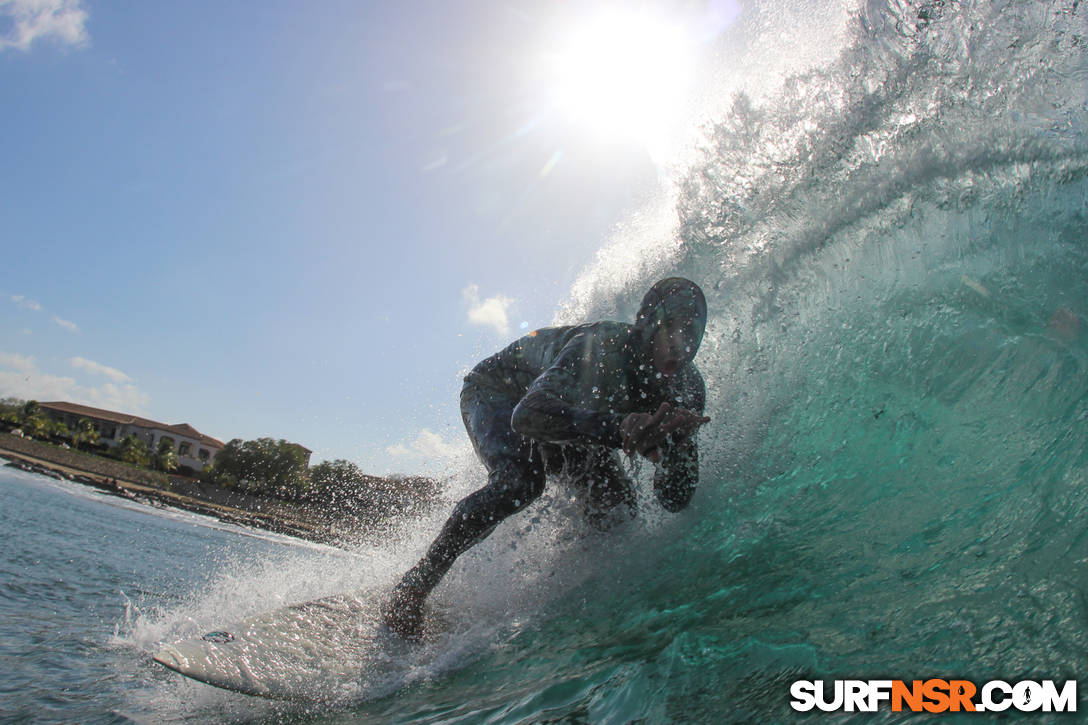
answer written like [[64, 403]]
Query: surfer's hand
[[646, 433]]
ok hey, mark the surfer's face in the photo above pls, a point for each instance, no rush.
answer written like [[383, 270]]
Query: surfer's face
[[674, 344]]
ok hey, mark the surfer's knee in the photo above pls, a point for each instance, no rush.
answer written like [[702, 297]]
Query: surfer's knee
[[515, 487], [509, 490], [609, 494]]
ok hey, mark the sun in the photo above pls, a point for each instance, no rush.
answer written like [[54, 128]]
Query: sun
[[623, 74]]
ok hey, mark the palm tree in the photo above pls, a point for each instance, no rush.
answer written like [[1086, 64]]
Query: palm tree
[[166, 457], [85, 433], [134, 451], [36, 425], [33, 421], [57, 429]]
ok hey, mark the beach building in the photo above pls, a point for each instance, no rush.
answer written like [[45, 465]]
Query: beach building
[[194, 449]]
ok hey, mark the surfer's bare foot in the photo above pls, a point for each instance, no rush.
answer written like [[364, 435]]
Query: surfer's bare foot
[[403, 611]]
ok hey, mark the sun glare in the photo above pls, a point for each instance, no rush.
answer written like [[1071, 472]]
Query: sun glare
[[624, 75]]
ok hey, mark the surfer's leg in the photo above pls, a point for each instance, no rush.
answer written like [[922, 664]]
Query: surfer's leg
[[515, 479], [508, 491], [609, 494]]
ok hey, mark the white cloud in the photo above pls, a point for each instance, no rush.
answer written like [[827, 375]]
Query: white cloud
[[91, 366], [21, 378], [125, 398], [431, 444], [428, 450], [61, 20], [16, 362], [490, 312], [35, 385], [66, 324], [22, 301], [399, 450]]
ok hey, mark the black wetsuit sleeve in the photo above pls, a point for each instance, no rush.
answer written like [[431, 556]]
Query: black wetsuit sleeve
[[678, 473], [547, 412]]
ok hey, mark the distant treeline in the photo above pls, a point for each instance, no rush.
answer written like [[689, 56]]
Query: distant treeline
[[263, 467], [278, 468]]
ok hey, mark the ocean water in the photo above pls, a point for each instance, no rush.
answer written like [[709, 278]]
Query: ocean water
[[893, 238]]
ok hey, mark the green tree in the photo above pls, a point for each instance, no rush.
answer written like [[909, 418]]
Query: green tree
[[34, 421], [10, 411], [57, 429], [263, 466], [345, 490], [166, 456], [226, 464], [85, 433], [133, 450], [332, 481], [11, 405]]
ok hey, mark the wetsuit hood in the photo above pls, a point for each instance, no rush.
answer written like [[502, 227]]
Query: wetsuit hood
[[669, 298]]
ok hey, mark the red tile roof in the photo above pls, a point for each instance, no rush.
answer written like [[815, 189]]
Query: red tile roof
[[183, 429]]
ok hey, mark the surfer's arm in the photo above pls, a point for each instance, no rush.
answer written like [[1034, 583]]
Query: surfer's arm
[[546, 413], [677, 472]]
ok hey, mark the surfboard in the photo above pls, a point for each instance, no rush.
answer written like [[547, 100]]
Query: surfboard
[[314, 650]]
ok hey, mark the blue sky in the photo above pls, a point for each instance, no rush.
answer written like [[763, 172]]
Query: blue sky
[[296, 220]]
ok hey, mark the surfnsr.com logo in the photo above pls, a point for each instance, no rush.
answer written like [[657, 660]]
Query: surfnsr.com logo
[[934, 695]]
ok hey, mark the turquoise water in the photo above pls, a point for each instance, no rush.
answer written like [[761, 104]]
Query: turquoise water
[[895, 250]]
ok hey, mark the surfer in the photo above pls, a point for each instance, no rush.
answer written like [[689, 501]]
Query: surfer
[[566, 400]]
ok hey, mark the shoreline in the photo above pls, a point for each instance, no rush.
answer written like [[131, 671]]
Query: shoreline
[[312, 530]]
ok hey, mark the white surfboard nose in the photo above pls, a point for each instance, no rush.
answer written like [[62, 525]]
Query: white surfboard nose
[[169, 657]]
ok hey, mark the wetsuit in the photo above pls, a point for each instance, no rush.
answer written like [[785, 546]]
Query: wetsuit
[[552, 402]]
